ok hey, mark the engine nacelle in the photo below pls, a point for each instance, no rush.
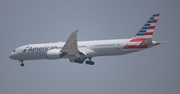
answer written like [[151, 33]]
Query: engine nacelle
[[53, 54]]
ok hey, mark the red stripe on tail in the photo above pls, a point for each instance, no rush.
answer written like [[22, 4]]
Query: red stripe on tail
[[148, 33], [151, 27], [154, 21], [157, 14]]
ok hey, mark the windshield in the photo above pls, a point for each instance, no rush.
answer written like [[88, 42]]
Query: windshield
[[14, 50]]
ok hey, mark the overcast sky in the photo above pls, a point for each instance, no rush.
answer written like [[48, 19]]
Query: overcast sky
[[152, 71]]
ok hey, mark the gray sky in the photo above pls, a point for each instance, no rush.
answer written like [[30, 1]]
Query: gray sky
[[152, 71]]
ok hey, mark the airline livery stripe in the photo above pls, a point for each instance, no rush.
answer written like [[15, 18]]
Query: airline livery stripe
[[145, 27], [157, 14], [148, 27], [143, 30], [150, 30], [147, 24], [154, 21], [148, 33], [137, 40], [153, 24], [144, 34], [151, 27], [156, 18], [135, 46]]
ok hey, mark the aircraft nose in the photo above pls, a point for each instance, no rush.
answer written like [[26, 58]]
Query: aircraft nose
[[12, 56]]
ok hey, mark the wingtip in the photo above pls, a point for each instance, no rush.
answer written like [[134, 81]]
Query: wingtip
[[77, 30]]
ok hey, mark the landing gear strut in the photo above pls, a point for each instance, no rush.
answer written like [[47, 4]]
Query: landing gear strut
[[22, 64]]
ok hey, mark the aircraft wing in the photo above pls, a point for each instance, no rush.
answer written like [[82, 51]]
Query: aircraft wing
[[71, 46]]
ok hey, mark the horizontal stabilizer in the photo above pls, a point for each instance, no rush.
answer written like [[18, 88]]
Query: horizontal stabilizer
[[140, 41], [147, 41]]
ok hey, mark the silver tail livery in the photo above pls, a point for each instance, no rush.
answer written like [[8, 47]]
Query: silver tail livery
[[83, 51]]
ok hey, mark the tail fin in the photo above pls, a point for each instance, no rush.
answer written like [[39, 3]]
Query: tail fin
[[147, 30]]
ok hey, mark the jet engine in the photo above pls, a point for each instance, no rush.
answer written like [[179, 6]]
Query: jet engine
[[54, 54]]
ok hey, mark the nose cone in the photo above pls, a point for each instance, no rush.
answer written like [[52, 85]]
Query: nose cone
[[13, 56]]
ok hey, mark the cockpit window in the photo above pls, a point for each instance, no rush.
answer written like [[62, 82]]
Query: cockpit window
[[14, 51]]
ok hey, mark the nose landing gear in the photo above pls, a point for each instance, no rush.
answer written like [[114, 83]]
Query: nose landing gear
[[22, 64]]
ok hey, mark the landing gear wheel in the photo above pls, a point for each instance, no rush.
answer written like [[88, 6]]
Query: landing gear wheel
[[22, 64], [90, 62], [78, 61]]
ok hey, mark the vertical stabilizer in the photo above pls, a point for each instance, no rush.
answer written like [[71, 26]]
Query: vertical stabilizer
[[143, 38], [147, 30]]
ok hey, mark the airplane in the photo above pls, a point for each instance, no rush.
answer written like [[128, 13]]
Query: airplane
[[84, 51]]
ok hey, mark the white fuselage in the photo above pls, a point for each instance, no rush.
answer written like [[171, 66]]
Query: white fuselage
[[92, 49]]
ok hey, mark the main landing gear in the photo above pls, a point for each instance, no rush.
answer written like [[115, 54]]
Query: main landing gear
[[90, 62], [80, 61], [22, 64]]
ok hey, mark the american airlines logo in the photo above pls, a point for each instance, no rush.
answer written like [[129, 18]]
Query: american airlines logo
[[39, 49]]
